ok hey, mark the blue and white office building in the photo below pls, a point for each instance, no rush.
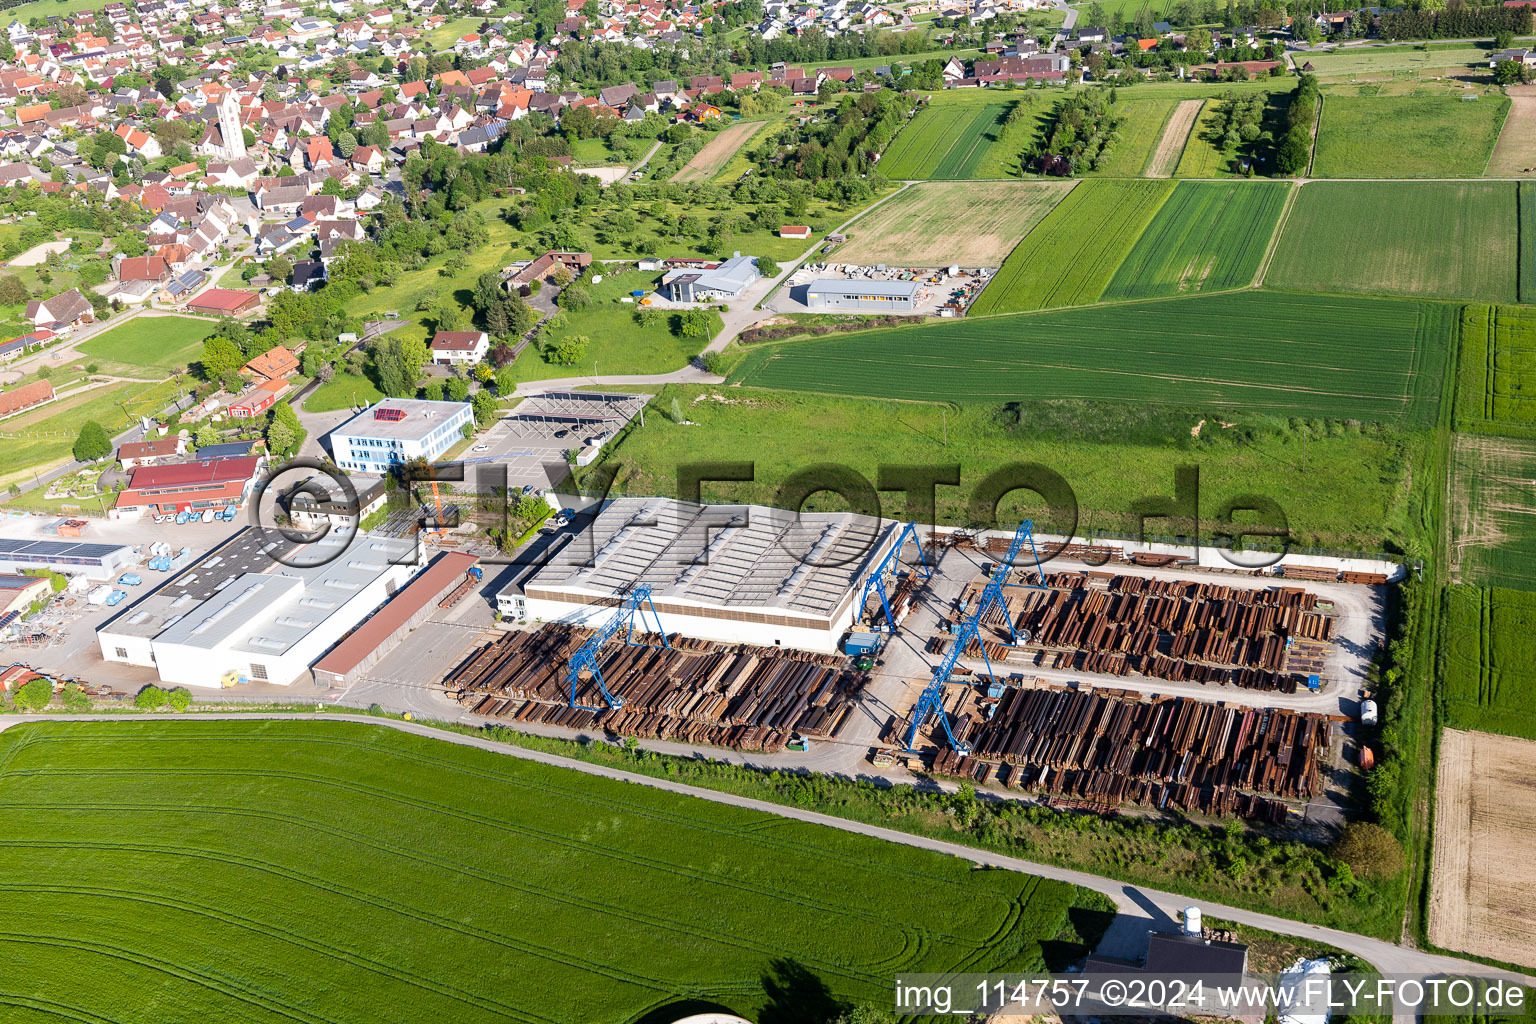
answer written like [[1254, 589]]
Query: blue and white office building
[[397, 430]]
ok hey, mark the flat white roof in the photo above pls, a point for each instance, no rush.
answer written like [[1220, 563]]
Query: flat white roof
[[268, 612], [718, 556], [418, 418], [851, 286]]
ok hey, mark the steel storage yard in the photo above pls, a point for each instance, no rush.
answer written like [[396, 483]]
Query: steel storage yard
[[405, 611], [695, 691], [734, 573]]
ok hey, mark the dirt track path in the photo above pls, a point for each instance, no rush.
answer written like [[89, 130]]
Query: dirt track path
[[1171, 146], [1515, 152], [706, 163]]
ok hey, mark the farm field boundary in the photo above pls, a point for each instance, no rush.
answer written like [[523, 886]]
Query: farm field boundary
[[946, 140], [936, 223], [1258, 351], [1175, 136], [1515, 153], [1200, 158], [387, 861], [1142, 122], [1492, 513], [1461, 240], [1483, 883], [1407, 136], [1208, 236], [1490, 660], [717, 152], [1496, 373], [1070, 257]]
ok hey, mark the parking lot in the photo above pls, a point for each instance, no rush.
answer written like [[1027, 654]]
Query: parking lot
[[531, 441]]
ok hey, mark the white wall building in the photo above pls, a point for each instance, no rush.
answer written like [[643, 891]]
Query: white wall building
[[238, 610], [397, 430], [733, 573]]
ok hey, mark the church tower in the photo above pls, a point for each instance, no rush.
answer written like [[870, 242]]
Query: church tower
[[229, 126]]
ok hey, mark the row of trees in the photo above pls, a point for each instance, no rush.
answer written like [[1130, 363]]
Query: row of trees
[[1295, 150]]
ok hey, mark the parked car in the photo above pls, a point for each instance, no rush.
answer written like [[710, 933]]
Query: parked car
[[481, 448]]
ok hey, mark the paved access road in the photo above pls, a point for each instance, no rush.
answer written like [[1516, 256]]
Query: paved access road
[[1140, 909]]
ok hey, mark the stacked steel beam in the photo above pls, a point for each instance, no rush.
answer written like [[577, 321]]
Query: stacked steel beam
[[1100, 749], [737, 696]]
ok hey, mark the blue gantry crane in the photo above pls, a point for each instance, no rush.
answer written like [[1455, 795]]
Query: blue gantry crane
[[931, 701], [629, 614], [875, 581]]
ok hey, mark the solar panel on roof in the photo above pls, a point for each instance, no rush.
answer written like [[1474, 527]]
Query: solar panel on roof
[[392, 415], [55, 548]]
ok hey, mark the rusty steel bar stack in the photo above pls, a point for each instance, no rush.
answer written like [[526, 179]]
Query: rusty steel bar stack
[[1179, 630], [731, 695], [1097, 750]]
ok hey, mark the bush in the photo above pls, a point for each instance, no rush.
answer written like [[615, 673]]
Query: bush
[[179, 699], [35, 696], [1370, 851], [151, 698]]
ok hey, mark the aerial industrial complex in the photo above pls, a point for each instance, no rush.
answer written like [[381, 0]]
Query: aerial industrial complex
[[747, 513]]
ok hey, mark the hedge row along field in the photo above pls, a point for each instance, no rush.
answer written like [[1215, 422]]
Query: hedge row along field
[[1210, 236], [1490, 660], [945, 141], [1407, 136], [1442, 239], [1069, 258], [191, 865], [1257, 351], [1496, 374]]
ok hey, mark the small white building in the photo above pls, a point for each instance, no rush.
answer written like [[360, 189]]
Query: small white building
[[398, 430], [726, 280], [733, 573], [460, 348]]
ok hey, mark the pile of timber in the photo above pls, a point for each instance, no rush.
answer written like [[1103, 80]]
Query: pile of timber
[[1099, 748], [696, 691]]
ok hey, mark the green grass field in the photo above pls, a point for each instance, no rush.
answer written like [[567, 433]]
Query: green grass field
[[1396, 60], [1070, 257], [1451, 240], [1139, 131], [1490, 660], [343, 391], [1343, 490], [43, 437], [1526, 197], [1407, 136], [617, 343], [1496, 374], [144, 344], [1263, 352], [946, 141], [338, 872], [1208, 236], [1202, 158], [1491, 511]]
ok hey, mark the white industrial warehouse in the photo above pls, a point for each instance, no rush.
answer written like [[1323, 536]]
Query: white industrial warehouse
[[735, 573], [240, 613]]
